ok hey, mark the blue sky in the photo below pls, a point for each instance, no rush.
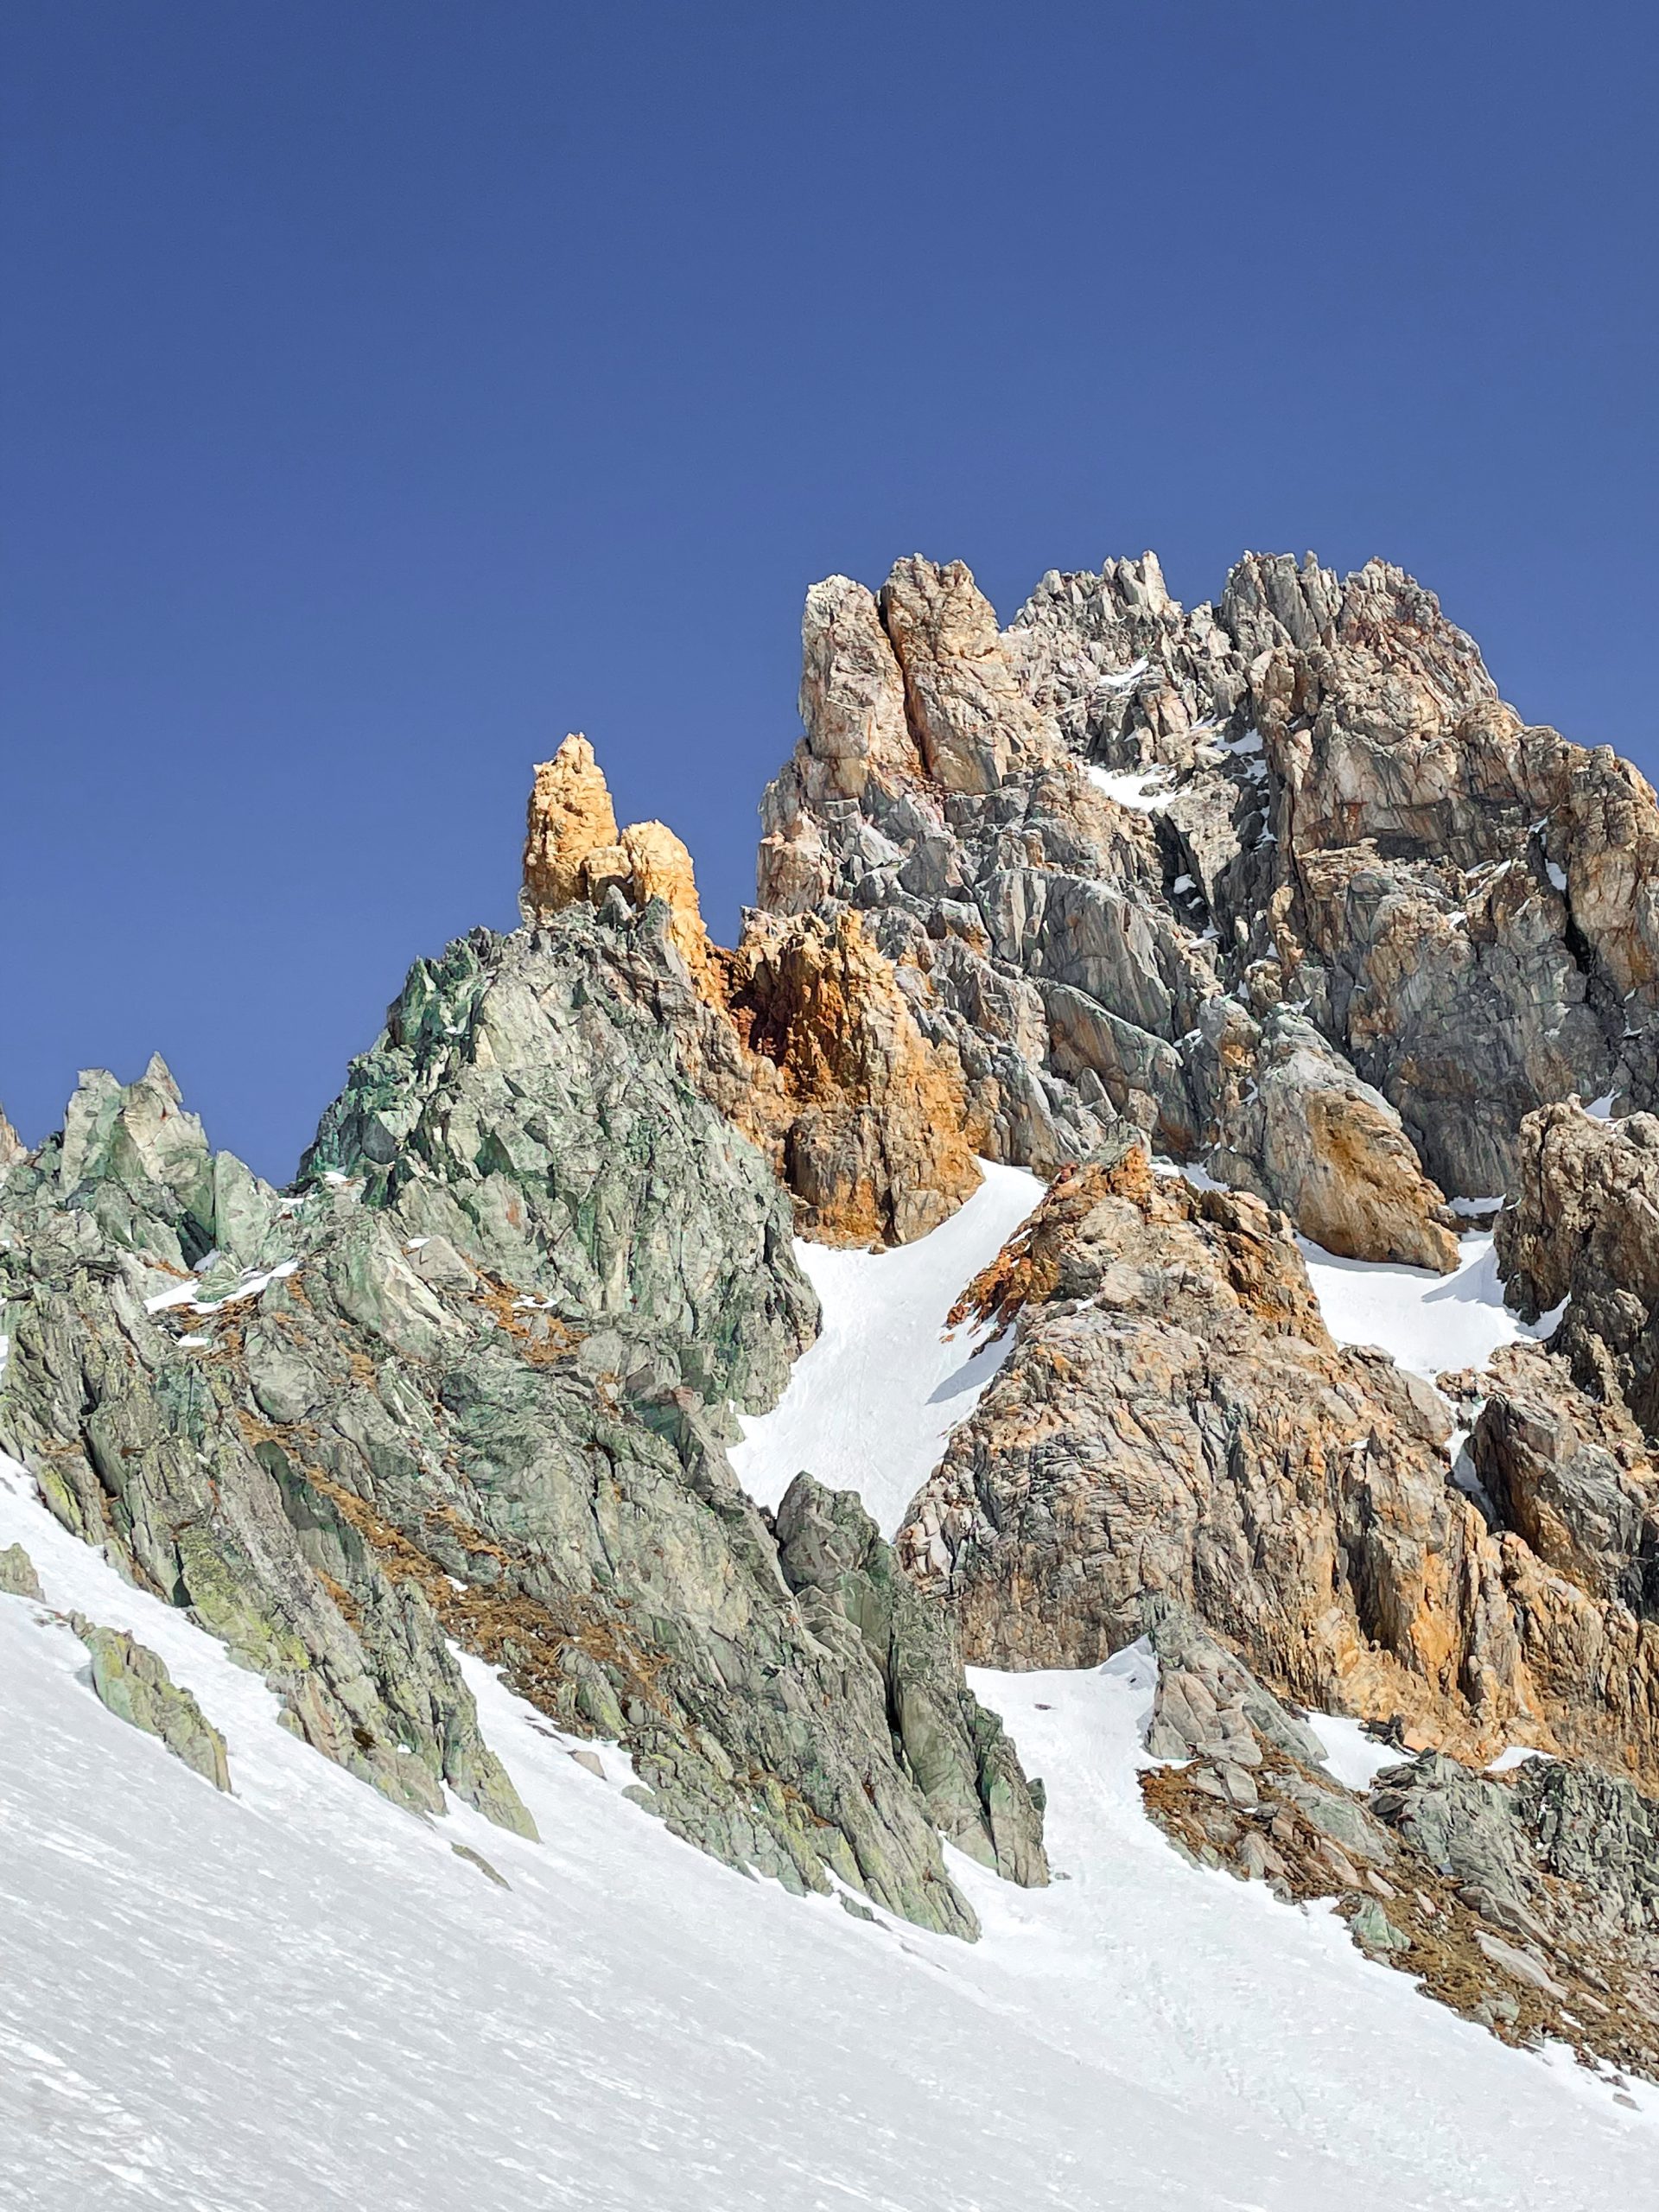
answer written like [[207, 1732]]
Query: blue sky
[[390, 388]]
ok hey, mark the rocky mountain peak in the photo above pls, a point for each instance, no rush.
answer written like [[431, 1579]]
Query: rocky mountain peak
[[1266, 934], [1121, 833]]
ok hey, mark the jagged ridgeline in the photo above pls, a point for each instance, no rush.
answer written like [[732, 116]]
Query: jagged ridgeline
[[1279, 888]]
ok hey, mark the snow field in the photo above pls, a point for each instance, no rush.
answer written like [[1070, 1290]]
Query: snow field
[[300, 1997]]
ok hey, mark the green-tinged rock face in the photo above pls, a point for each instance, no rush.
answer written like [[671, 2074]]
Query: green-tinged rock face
[[966, 1769], [468, 1386], [525, 1105], [17, 1575]]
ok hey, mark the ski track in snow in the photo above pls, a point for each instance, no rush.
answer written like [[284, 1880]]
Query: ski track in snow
[[300, 1997], [869, 1405]]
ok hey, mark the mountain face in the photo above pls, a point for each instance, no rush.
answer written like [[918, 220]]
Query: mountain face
[[1251, 930], [469, 1381]]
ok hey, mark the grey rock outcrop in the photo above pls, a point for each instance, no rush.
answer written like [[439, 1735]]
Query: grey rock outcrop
[[1210, 1705], [1057, 948], [134, 1683], [971, 721], [1570, 1474], [1296, 1125], [1462, 905]]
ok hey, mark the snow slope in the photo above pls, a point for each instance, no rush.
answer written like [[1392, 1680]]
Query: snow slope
[[869, 1405], [299, 1998]]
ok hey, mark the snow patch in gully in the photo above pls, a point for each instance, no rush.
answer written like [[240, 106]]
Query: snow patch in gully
[[870, 1404], [1428, 1324]]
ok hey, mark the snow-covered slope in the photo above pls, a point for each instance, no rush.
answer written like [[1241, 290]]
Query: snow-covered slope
[[303, 1998], [870, 1406]]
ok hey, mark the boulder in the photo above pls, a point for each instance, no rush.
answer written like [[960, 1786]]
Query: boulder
[[17, 1575], [134, 1683]]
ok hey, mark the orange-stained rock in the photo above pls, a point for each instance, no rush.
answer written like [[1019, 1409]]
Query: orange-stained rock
[[659, 867], [1174, 1424], [573, 851], [866, 1119], [570, 816], [802, 1036]]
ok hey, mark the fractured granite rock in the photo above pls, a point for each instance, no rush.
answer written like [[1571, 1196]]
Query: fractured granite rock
[[1295, 1124], [1280, 881], [970, 720], [1463, 905], [1066, 939]]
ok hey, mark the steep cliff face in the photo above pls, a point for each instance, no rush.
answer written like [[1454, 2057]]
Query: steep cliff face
[[1464, 903], [1280, 881], [469, 1384]]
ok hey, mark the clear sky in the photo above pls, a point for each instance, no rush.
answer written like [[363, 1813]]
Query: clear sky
[[389, 386]]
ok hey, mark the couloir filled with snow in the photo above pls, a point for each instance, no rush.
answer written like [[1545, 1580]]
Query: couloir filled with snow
[[870, 1403], [299, 1998]]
